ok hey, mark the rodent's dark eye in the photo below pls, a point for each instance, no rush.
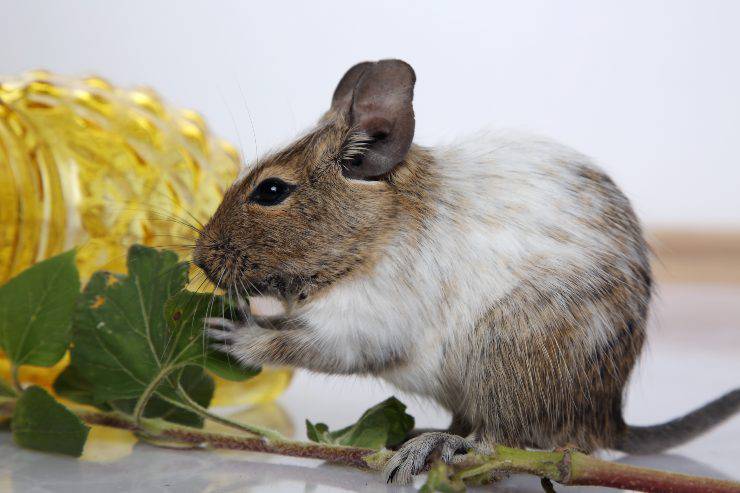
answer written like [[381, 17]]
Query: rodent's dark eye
[[271, 191]]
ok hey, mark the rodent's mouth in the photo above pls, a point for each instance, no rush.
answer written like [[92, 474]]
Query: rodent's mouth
[[246, 287], [284, 288], [273, 285]]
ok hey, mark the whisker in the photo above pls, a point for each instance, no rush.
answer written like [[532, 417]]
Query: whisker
[[130, 206], [236, 128], [154, 209], [251, 121], [231, 306], [251, 284], [191, 298], [213, 293], [210, 304], [168, 235], [255, 288], [173, 245], [243, 306], [179, 206], [176, 220]]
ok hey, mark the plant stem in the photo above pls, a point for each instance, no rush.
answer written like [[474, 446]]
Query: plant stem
[[16, 379], [149, 392], [168, 432], [590, 471], [563, 466], [574, 468], [206, 414]]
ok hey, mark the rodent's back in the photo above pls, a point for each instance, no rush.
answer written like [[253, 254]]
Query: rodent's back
[[542, 208], [545, 288], [551, 357]]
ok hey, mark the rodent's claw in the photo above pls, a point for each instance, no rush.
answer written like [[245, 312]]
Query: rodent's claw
[[223, 348], [220, 335], [220, 322], [413, 455], [238, 338], [221, 330]]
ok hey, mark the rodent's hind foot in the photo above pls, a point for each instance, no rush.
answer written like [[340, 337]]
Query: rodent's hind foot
[[415, 433], [412, 457]]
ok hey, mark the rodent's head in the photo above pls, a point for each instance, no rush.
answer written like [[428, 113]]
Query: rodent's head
[[323, 207]]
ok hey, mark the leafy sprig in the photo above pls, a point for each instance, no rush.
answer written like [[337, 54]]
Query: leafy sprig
[[139, 344], [384, 425], [136, 342]]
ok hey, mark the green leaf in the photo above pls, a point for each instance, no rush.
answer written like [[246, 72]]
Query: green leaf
[[127, 335], [318, 432], [36, 310], [185, 312], [121, 340], [70, 384], [42, 423], [383, 425], [200, 387], [195, 382]]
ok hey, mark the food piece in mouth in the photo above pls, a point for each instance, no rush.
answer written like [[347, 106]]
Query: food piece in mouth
[[266, 306]]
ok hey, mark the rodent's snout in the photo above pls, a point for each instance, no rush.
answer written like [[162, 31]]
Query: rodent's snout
[[199, 258], [200, 261], [215, 260], [223, 264]]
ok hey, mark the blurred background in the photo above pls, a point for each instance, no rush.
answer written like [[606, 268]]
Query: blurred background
[[649, 89]]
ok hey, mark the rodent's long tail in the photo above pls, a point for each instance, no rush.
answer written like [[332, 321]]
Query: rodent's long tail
[[654, 439]]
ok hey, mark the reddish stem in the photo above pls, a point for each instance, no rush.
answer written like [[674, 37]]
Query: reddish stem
[[586, 470], [564, 466]]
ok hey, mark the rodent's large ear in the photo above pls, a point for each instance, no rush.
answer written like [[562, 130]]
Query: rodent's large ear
[[341, 101], [379, 97]]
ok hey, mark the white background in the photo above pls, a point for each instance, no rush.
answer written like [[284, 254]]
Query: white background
[[649, 89]]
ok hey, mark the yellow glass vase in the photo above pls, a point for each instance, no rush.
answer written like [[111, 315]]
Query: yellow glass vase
[[87, 164]]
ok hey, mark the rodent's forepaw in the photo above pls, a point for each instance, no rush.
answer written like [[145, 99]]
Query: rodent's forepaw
[[225, 332], [220, 329], [242, 339], [412, 457]]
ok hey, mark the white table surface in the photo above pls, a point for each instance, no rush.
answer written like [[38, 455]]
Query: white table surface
[[693, 355]]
